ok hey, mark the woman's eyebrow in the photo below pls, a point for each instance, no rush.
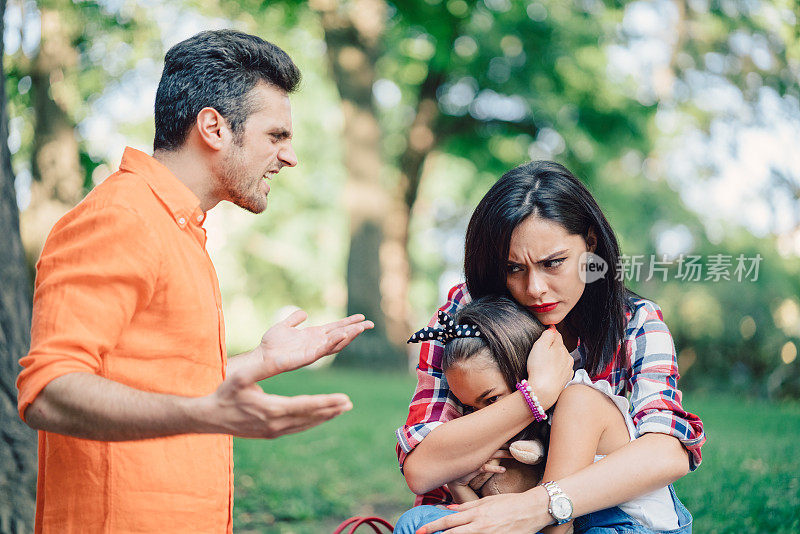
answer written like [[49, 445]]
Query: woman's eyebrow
[[553, 255], [546, 258]]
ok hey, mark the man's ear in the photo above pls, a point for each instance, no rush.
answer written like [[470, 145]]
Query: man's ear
[[212, 128], [591, 239]]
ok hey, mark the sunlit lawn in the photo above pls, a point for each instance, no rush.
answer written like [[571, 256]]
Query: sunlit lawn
[[307, 483]]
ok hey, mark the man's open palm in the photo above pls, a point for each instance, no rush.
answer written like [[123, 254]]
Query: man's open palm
[[286, 346]]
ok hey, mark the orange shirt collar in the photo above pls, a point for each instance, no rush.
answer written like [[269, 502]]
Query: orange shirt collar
[[179, 199]]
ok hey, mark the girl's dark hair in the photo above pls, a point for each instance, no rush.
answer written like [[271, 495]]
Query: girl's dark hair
[[217, 69], [508, 332], [548, 190]]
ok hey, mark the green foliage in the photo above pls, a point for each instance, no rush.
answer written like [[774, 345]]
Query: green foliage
[[748, 481]]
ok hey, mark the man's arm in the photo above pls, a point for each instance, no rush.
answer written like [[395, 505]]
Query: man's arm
[[88, 406]]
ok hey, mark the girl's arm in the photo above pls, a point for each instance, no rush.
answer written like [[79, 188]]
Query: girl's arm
[[462, 445], [462, 492]]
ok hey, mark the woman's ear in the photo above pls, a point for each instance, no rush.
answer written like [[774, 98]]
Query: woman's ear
[[591, 239]]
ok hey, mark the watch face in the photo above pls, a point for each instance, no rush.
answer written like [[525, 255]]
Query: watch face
[[561, 507]]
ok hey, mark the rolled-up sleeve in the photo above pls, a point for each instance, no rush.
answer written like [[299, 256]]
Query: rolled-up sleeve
[[95, 271], [655, 398], [432, 403]]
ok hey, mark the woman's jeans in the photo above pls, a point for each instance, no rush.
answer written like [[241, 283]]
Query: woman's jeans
[[608, 521]]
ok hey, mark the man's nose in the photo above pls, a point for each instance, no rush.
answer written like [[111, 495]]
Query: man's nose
[[287, 156]]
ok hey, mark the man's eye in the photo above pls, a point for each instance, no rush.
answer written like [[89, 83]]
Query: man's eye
[[552, 264]]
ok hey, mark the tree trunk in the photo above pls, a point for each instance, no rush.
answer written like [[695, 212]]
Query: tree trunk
[[18, 450], [58, 177], [377, 267]]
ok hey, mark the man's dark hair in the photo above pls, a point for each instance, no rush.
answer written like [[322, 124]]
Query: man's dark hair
[[216, 69]]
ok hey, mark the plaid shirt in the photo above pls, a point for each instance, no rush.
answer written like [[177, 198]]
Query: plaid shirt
[[648, 376]]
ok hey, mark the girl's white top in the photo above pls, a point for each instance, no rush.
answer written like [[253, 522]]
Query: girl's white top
[[654, 510]]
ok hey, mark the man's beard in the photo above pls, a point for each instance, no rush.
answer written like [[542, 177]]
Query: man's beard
[[240, 189]]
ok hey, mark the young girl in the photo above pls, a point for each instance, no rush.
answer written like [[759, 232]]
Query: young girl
[[486, 349]]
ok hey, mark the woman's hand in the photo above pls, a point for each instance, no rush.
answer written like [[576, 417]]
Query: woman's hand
[[549, 367], [510, 513]]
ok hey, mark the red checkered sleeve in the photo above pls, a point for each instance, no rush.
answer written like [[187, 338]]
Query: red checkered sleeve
[[652, 379], [432, 403]]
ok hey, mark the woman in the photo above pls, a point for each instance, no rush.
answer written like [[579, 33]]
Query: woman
[[529, 238]]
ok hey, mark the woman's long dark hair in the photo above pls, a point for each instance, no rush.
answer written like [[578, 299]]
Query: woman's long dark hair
[[548, 190], [508, 332]]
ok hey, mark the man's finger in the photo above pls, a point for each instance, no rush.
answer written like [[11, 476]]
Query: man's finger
[[295, 318], [355, 318], [309, 404], [349, 333], [300, 425]]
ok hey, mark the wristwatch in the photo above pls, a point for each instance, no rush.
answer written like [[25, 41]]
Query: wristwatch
[[560, 505]]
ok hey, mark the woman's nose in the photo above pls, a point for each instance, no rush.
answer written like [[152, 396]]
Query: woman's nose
[[536, 285]]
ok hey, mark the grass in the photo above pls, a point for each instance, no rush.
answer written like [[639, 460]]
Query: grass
[[307, 483]]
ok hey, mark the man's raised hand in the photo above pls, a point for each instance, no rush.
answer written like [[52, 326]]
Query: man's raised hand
[[241, 408], [286, 346]]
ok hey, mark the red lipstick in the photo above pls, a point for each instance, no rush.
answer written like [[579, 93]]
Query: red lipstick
[[543, 308]]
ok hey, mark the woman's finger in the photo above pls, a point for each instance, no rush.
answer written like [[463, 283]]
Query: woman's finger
[[446, 522]]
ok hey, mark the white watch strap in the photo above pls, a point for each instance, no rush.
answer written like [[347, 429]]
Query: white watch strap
[[553, 489]]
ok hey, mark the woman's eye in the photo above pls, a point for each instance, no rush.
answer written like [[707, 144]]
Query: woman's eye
[[552, 264], [492, 400], [513, 268]]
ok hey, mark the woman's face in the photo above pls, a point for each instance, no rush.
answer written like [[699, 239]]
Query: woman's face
[[542, 273], [477, 381]]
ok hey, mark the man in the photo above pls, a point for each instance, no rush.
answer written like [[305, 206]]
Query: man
[[127, 378]]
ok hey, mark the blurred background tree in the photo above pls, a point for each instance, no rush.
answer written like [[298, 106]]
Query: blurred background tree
[[18, 454], [674, 112]]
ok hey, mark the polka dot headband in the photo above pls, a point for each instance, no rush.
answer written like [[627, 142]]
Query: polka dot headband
[[448, 331]]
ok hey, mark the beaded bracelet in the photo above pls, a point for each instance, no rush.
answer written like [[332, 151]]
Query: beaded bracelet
[[533, 402]]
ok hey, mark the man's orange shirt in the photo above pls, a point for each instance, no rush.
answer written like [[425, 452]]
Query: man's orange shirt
[[125, 290]]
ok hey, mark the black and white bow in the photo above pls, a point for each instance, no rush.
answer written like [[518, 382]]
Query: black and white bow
[[449, 330]]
